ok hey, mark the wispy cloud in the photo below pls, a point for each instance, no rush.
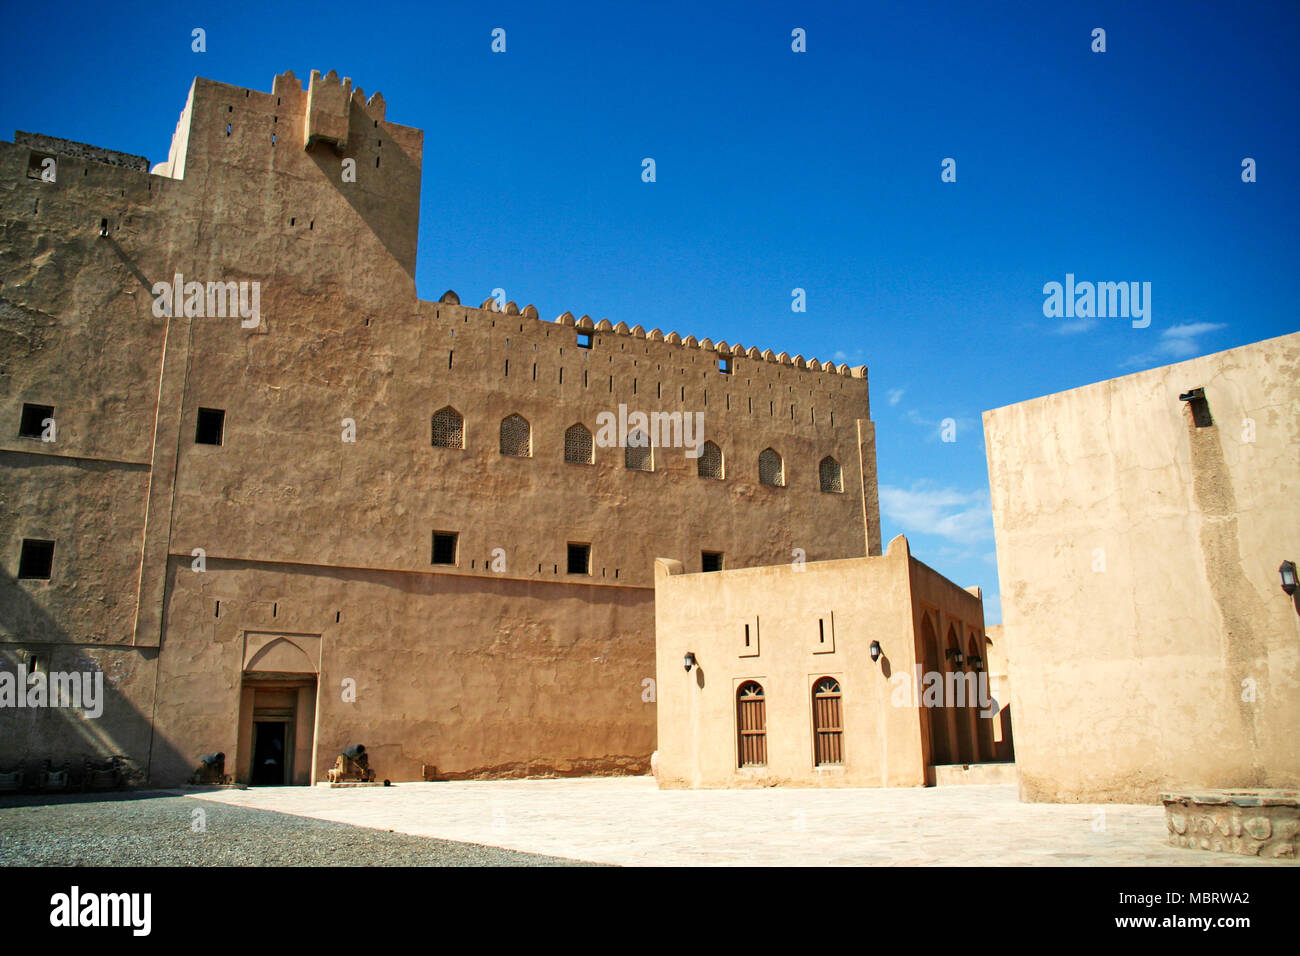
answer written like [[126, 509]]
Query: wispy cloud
[[1180, 341], [1075, 326], [1177, 342], [895, 396], [965, 517], [934, 427]]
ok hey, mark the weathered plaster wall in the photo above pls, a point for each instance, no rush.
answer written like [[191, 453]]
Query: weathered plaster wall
[[1138, 556], [475, 676]]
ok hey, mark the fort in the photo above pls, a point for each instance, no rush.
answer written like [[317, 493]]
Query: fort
[[346, 520], [366, 562]]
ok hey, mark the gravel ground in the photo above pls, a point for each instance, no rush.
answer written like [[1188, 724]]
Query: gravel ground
[[153, 829]]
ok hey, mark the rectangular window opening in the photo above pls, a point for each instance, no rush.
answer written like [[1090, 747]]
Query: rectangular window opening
[[36, 559], [444, 547], [211, 426], [32, 423], [1195, 400], [37, 165], [579, 561], [585, 340], [711, 560]]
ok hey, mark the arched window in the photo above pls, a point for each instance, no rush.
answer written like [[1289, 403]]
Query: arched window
[[577, 445], [771, 470], [448, 428], [828, 723], [751, 722], [516, 437], [710, 461], [831, 475], [638, 455]]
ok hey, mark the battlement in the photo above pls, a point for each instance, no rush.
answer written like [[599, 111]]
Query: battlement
[[68, 147], [722, 349], [328, 103]]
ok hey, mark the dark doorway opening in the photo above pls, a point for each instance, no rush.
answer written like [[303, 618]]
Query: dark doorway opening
[[269, 759]]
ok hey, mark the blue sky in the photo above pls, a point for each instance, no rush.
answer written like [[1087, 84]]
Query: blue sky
[[775, 170]]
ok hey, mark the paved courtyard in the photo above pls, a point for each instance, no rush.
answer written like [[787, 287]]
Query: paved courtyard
[[629, 821], [155, 828]]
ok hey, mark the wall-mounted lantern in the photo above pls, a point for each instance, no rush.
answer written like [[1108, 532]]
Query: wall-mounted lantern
[[875, 651], [689, 661], [956, 656], [977, 662], [1288, 576]]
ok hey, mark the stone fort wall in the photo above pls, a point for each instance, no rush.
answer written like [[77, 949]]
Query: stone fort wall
[[480, 667]]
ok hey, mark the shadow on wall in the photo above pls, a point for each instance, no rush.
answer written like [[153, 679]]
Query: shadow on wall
[[43, 742], [373, 205]]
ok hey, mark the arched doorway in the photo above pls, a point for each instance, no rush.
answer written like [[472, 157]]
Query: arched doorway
[[959, 693], [936, 717], [277, 709]]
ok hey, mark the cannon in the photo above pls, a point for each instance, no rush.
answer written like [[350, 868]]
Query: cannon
[[211, 770], [101, 773], [352, 766], [55, 780]]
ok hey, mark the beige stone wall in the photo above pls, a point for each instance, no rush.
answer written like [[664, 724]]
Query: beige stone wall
[[995, 658], [1138, 559], [804, 625], [474, 670]]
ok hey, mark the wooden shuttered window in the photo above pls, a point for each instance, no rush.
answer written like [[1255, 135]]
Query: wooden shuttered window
[[751, 720], [828, 723]]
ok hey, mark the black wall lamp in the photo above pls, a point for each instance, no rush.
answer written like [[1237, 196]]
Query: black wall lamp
[[689, 661], [875, 651], [955, 655], [977, 662], [1287, 570]]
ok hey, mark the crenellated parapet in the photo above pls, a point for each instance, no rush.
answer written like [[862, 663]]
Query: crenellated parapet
[[672, 338]]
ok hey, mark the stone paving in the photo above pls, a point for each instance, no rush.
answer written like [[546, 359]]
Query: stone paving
[[629, 821]]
